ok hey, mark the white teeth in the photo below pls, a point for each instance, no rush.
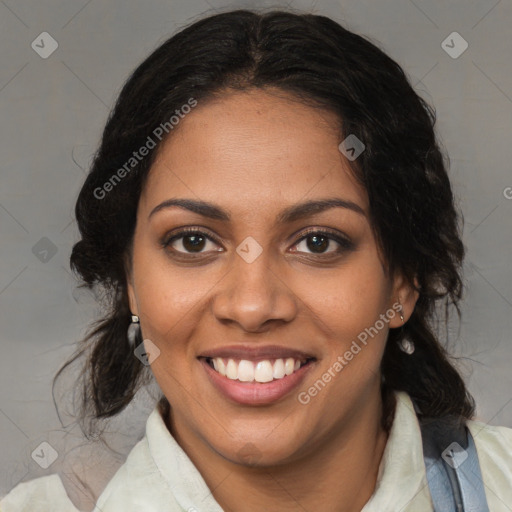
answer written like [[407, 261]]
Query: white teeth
[[232, 370], [279, 369], [289, 365], [221, 367], [262, 371], [245, 371]]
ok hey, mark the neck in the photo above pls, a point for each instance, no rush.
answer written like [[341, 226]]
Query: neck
[[338, 474]]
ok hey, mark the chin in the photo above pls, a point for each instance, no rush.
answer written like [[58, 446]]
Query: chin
[[259, 453]]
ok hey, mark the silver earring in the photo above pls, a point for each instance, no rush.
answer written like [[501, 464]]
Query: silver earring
[[133, 331], [406, 346]]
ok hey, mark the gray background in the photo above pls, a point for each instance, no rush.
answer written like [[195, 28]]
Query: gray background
[[52, 112]]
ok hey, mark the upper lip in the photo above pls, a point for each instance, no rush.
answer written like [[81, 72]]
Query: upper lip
[[252, 353]]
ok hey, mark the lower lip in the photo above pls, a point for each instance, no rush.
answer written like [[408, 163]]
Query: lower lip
[[256, 393]]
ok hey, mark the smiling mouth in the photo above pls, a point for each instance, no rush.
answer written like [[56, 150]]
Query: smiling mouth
[[262, 371]]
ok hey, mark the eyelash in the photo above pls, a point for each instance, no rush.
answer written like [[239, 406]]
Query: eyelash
[[344, 243]]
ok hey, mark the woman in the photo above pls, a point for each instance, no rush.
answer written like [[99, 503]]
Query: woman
[[271, 213]]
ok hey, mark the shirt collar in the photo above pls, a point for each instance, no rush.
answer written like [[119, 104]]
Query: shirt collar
[[185, 481], [402, 482]]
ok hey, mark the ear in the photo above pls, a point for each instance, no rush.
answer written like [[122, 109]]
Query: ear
[[405, 294], [132, 300], [130, 288]]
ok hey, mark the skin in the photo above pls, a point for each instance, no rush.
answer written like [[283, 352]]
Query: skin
[[253, 154]]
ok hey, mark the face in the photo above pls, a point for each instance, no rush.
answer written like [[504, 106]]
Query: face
[[261, 279]]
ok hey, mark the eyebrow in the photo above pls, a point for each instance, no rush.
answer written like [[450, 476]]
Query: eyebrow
[[290, 214]]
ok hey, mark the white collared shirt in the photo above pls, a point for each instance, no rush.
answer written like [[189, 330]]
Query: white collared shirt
[[158, 476]]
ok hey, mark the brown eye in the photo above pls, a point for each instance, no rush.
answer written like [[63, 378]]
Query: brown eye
[[194, 243], [190, 242], [323, 242], [317, 243]]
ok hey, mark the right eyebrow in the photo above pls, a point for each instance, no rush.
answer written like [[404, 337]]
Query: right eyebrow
[[200, 207]]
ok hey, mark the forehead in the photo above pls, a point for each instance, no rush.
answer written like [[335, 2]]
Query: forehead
[[253, 148]]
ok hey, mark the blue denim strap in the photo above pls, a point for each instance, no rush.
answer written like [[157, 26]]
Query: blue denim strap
[[452, 467]]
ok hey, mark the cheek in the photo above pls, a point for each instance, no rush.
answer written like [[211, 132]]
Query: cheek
[[352, 335], [349, 299], [170, 302], [168, 297]]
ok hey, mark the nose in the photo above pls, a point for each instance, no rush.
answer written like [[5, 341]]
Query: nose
[[254, 296]]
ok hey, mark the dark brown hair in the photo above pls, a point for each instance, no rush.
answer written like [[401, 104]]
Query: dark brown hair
[[402, 169]]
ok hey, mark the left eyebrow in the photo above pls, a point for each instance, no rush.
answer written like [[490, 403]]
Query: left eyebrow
[[288, 215], [302, 210]]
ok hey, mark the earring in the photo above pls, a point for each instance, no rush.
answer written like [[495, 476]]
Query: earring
[[133, 331], [406, 346]]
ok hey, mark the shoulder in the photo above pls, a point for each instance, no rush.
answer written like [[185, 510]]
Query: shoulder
[[494, 448], [492, 440], [38, 495], [158, 474], [139, 480]]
